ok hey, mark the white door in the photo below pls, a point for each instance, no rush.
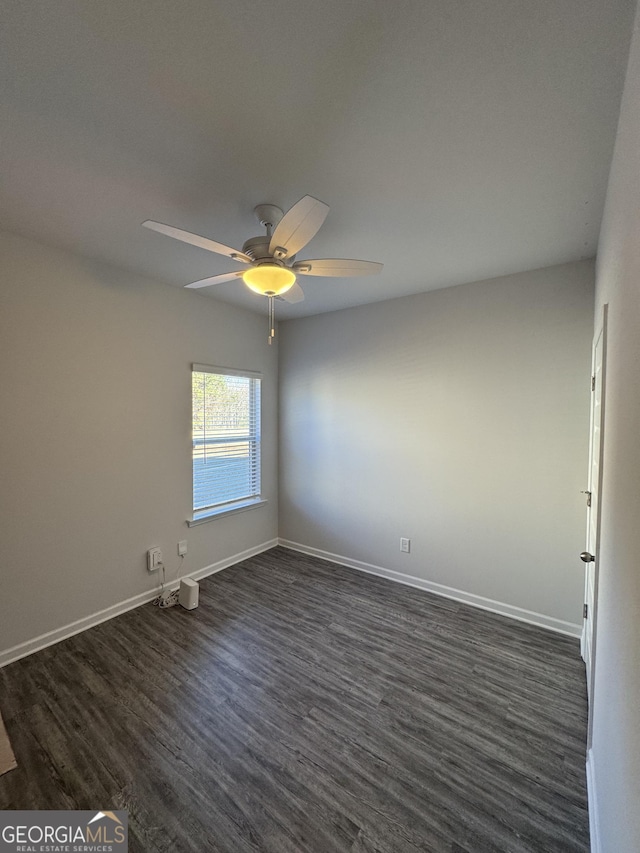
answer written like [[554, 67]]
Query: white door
[[591, 554]]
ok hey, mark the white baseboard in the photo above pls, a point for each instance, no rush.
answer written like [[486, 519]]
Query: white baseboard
[[594, 828], [529, 616], [52, 637]]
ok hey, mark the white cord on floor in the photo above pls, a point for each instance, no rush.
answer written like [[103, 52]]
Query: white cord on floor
[[166, 598], [169, 600]]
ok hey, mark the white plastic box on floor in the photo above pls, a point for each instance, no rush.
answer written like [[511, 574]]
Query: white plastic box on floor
[[188, 596]]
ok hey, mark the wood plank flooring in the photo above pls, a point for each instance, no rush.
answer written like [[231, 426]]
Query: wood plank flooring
[[308, 708]]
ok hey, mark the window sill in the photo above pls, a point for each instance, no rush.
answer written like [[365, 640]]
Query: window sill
[[210, 515]]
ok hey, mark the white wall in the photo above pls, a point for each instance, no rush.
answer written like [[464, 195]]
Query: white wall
[[458, 418], [95, 435], [615, 755]]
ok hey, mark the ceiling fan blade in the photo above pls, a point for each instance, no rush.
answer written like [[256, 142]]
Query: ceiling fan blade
[[214, 279], [294, 294], [299, 224], [197, 240], [338, 267]]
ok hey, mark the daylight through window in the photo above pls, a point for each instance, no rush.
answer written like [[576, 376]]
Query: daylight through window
[[226, 440]]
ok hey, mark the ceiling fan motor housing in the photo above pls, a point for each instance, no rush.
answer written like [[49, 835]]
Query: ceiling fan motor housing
[[257, 248]]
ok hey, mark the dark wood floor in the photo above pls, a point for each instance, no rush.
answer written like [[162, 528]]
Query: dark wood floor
[[308, 707]]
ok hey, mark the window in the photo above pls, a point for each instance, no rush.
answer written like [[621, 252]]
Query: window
[[226, 440]]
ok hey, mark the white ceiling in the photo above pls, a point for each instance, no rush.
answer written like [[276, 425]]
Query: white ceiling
[[454, 140]]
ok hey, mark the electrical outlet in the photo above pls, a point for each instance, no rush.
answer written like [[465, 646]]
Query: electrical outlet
[[182, 548], [154, 559], [405, 545]]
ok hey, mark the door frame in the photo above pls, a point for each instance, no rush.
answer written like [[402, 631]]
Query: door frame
[[601, 331]]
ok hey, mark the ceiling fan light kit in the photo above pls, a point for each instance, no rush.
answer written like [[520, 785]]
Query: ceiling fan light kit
[[269, 280], [273, 269]]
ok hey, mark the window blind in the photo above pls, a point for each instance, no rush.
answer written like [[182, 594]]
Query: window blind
[[226, 438]]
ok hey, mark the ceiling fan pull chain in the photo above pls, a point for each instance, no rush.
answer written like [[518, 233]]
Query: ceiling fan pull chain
[[272, 319]]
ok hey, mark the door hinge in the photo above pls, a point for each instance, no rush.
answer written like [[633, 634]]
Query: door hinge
[[588, 494], [593, 383], [585, 610]]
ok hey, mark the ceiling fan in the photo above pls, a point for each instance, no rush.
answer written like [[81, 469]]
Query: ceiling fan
[[273, 269]]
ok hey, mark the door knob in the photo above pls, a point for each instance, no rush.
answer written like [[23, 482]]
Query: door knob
[[586, 557]]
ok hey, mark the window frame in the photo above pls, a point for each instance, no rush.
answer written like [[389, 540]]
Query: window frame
[[222, 509]]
